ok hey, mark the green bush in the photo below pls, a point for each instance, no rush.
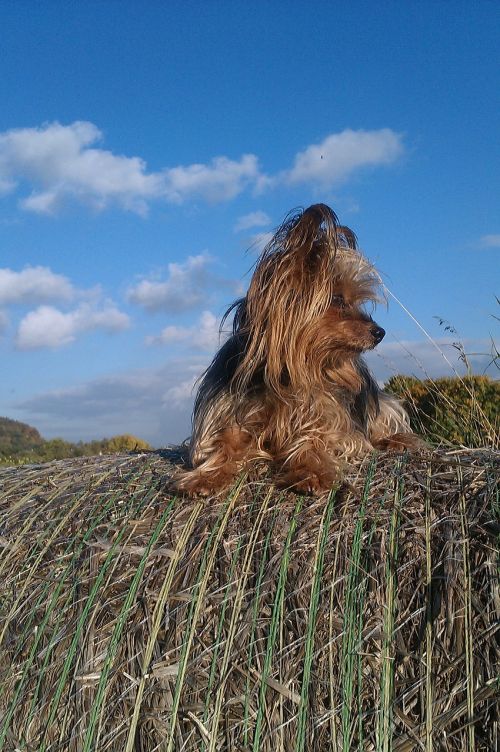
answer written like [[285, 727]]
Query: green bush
[[124, 443], [455, 410]]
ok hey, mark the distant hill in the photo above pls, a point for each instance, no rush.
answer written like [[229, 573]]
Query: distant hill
[[16, 437], [21, 444]]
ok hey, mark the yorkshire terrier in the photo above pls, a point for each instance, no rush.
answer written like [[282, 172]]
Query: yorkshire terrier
[[290, 387]]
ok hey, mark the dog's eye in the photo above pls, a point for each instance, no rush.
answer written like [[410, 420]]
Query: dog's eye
[[338, 301]]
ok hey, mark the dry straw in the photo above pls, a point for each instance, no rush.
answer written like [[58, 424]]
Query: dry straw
[[134, 621]]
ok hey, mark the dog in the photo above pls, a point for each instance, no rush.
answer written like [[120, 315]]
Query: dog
[[289, 387]]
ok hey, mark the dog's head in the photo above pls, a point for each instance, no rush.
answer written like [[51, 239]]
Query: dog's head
[[304, 310]]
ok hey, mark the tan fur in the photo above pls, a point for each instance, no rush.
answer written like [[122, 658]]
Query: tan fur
[[290, 387]]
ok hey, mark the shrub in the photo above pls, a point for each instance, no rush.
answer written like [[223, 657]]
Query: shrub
[[124, 443], [451, 410]]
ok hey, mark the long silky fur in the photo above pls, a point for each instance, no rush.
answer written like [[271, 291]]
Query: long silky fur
[[287, 386]]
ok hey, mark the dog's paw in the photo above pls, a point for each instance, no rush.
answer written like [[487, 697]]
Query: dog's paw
[[194, 483], [400, 442], [309, 483], [312, 486]]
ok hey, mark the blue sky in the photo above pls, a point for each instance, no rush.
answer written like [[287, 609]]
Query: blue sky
[[146, 151]]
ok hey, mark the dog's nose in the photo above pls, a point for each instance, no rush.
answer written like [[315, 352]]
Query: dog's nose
[[378, 333]]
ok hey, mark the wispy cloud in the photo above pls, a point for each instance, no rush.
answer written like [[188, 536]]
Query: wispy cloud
[[180, 395], [221, 180], [426, 359], [49, 327], [61, 163], [259, 241], [253, 219], [204, 335], [154, 404], [490, 241], [186, 287]]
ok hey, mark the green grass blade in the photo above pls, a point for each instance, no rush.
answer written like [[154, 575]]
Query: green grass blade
[[469, 656], [384, 729], [157, 617], [197, 601], [118, 629], [311, 623], [428, 620], [72, 649], [220, 626], [76, 551], [351, 627], [255, 612], [55, 525], [240, 592], [62, 613], [273, 629]]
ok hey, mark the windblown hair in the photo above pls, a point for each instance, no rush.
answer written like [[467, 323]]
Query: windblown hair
[[289, 386]]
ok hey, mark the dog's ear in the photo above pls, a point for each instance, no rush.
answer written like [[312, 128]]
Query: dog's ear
[[347, 238], [320, 214], [317, 235], [317, 229], [317, 225]]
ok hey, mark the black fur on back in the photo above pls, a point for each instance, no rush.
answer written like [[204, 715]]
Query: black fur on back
[[367, 401]]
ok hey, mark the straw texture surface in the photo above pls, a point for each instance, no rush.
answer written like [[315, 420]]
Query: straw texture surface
[[134, 621]]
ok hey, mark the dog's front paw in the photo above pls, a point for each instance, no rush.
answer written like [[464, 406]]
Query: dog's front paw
[[400, 442], [308, 482], [312, 486], [196, 483]]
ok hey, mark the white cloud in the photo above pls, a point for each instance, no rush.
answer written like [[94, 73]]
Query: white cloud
[[62, 161], [260, 240], [188, 285], [204, 335], [184, 288], [170, 334], [340, 154], [221, 180], [179, 395], [34, 284], [48, 327], [58, 163], [253, 219], [490, 241]]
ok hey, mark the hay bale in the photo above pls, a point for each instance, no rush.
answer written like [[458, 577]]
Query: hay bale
[[260, 621]]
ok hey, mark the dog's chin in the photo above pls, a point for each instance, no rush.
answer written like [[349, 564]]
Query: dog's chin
[[358, 348], [348, 353]]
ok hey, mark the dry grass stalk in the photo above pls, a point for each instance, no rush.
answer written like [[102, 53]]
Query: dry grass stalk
[[260, 621]]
